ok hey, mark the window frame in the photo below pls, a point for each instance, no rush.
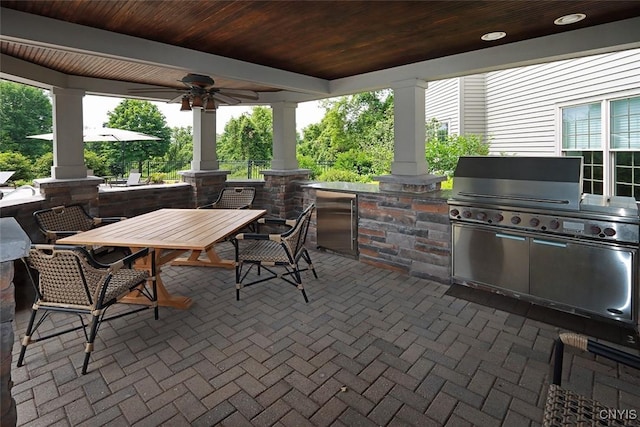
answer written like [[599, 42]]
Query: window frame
[[608, 153]]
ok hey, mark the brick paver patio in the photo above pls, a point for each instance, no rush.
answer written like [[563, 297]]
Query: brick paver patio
[[372, 348]]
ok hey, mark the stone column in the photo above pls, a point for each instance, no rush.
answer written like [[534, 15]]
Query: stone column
[[205, 185], [14, 245], [68, 144], [283, 194], [67, 191]]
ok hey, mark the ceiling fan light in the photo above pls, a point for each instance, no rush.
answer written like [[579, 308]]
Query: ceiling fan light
[[197, 101], [185, 104], [210, 104]]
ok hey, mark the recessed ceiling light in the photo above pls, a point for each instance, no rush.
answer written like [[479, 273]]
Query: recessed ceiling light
[[570, 19], [496, 35]]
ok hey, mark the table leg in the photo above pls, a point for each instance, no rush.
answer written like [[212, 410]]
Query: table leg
[[212, 260], [165, 299]]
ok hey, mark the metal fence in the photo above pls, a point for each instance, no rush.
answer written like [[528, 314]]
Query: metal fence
[[240, 169]]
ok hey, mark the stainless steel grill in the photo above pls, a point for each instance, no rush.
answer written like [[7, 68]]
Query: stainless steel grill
[[520, 225]]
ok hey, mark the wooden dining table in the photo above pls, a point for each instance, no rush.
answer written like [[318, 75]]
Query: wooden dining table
[[172, 233]]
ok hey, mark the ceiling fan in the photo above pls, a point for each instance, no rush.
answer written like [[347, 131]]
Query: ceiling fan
[[200, 92]]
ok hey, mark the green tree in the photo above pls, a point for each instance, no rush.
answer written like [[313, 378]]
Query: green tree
[[24, 110], [180, 151], [138, 116], [248, 137], [362, 124]]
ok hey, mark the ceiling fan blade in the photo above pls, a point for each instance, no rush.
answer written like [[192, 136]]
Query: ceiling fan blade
[[225, 99], [239, 93], [176, 99]]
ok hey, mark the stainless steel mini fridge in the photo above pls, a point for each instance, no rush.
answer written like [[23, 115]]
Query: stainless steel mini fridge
[[337, 221]]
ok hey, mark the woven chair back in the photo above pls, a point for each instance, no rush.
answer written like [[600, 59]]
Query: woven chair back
[[295, 238], [64, 218], [65, 276], [236, 198]]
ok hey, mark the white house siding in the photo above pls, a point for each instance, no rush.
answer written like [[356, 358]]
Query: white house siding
[[473, 106], [522, 103], [442, 101]]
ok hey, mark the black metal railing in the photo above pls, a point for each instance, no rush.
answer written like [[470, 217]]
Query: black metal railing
[[168, 171]]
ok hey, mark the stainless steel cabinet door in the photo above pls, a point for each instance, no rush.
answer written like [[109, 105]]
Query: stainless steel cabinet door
[[337, 221], [498, 259], [598, 279]]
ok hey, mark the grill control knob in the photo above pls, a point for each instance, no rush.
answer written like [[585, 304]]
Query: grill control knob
[[595, 229], [466, 214], [481, 216], [534, 222], [498, 217], [609, 232], [554, 224], [515, 220], [455, 212]]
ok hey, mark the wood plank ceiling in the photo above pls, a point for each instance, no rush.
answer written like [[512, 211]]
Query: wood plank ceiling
[[324, 39]]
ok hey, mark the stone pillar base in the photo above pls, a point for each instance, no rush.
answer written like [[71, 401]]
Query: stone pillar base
[[205, 185], [283, 198], [409, 183], [82, 191]]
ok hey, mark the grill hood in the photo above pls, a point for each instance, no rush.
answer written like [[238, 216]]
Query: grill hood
[[541, 182]]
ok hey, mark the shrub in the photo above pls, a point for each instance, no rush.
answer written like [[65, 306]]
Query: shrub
[[19, 163], [341, 175], [442, 155]]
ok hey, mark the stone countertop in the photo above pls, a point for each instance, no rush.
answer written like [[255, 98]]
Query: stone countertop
[[362, 188]]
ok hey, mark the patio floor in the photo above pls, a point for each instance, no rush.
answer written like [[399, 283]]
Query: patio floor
[[372, 347]]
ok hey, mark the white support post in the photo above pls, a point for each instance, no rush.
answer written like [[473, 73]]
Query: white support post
[[284, 136], [204, 140], [409, 128], [68, 144]]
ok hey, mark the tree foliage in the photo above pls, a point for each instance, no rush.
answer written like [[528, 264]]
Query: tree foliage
[[248, 137], [442, 153], [180, 150], [138, 116], [356, 133], [24, 110]]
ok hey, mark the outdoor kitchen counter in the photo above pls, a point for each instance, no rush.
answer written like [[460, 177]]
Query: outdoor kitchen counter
[[402, 231]]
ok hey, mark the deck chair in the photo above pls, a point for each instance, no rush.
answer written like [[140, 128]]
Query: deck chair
[[5, 176], [268, 251], [564, 407], [134, 179], [71, 281], [62, 221], [233, 198]]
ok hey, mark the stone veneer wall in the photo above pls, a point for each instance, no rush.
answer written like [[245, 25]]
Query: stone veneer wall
[[409, 233], [132, 201], [283, 194]]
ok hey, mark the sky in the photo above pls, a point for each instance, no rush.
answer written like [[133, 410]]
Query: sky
[[96, 107]]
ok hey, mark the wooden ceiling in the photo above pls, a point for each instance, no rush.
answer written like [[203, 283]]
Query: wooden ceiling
[[323, 39]]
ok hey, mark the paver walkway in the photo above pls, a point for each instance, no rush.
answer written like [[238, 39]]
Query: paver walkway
[[371, 348]]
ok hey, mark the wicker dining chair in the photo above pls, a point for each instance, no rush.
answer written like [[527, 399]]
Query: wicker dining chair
[[233, 198], [567, 408], [70, 281], [267, 251], [62, 221]]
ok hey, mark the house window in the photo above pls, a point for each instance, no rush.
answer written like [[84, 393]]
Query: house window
[[607, 135]]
